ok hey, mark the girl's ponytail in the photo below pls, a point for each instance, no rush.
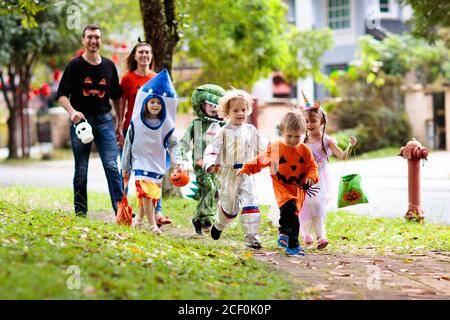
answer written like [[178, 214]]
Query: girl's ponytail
[[324, 118]]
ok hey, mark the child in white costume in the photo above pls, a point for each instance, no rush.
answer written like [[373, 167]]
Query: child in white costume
[[148, 139], [233, 145], [313, 214]]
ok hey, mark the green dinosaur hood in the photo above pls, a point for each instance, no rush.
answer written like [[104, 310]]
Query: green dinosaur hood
[[210, 93]]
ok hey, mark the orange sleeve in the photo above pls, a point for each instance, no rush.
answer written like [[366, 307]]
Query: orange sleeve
[[261, 161], [312, 169]]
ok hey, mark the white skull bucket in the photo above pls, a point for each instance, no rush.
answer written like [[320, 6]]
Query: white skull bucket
[[84, 132]]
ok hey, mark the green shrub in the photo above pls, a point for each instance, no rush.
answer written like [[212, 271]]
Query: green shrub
[[375, 127]]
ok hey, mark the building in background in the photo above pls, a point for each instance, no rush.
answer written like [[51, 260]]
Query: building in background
[[349, 19]]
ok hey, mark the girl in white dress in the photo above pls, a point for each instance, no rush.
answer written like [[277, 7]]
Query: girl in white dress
[[313, 214]]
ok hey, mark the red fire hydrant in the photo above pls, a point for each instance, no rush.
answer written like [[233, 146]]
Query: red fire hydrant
[[414, 152]]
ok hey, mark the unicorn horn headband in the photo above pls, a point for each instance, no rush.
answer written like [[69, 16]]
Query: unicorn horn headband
[[308, 105]]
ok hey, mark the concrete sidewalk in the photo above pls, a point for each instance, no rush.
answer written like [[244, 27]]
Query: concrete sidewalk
[[384, 180]]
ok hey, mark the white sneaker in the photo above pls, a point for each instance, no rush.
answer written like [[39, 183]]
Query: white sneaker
[[253, 241]]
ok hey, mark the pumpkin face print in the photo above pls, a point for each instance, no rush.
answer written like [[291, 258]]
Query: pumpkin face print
[[289, 169], [352, 196], [94, 89], [179, 179]]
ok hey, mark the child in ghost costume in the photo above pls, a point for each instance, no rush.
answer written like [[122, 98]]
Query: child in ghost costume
[[148, 139], [234, 144]]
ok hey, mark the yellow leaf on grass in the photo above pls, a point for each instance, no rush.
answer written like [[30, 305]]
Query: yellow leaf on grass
[[135, 250]]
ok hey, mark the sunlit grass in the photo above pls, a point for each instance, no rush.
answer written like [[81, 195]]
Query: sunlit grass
[[40, 246]]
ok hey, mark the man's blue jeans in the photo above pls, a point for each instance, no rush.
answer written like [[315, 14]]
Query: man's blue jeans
[[105, 141]]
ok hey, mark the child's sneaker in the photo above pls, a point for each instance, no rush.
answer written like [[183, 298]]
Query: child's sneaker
[[321, 243], [215, 233], [295, 252], [283, 240], [197, 226], [253, 241]]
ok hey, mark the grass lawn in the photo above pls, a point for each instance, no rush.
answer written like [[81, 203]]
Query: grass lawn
[[57, 154], [40, 239], [380, 153], [42, 250]]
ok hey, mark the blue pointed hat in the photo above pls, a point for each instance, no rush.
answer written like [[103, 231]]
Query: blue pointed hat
[[161, 85]]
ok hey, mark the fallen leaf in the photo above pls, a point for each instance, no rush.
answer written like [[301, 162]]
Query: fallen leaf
[[411, 290], [122, 236], [135, 250], [340, 267], [391, 284], [441, 277], [329, 296], [340, 274], [403, 270], [321, 287], [271, 253]]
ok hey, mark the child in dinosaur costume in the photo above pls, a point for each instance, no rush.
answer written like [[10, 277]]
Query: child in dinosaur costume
[[201, 130]]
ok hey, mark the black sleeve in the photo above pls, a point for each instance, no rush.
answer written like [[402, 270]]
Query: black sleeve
[[65, 85], [115, 90]]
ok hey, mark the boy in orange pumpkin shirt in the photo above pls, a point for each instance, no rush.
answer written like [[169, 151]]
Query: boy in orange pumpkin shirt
[[293, 170]]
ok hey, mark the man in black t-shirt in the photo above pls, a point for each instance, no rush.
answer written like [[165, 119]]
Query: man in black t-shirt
[[88, 83]]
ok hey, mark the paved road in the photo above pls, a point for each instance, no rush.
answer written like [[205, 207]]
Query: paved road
[[384, 180]]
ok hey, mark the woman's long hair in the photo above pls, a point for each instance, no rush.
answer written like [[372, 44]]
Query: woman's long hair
[[132, 63]]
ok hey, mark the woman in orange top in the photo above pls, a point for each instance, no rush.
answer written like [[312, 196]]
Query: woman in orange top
[[293, 170], [140, 65]]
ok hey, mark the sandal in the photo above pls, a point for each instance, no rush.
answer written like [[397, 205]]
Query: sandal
[[163, 220], [139, 225], [322, 243], [283, 240], [155, 230], [295, 252]]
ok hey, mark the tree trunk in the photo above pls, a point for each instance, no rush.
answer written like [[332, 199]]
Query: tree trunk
[[13, 119], [161, 30], [13, 144]]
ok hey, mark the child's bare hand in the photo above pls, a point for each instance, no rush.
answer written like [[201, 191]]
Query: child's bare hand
[[200, 163], [179, 168], [240, 173], [352, 140], [309, 182], [213, 168]]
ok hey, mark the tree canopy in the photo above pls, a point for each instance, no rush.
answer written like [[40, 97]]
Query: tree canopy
[[25, 9], [431, 18], [22, 48], [238, 42]]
